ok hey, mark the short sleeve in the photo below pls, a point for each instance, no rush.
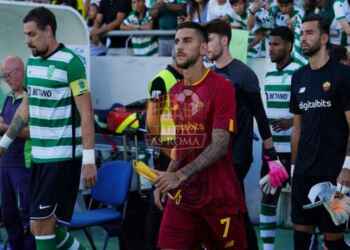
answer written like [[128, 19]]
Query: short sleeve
[[128, 21], [77, 77], [224, 116], [339, 11], [293, 105]]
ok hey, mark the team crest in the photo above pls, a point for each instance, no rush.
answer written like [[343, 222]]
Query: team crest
[[50, 71], [195, 104], [81, 85], [326, 86]]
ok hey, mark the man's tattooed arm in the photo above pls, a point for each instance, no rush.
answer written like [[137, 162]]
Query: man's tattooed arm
[[213, 152], [20, 119]]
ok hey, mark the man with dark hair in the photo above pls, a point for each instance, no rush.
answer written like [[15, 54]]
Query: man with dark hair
[[207, 205], [277, 89], [320, 102], [249, 105], [286, 14], [42, 18], [58, 110], [14, 173]]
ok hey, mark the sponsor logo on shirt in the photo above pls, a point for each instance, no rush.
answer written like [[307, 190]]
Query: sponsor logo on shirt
[[277, 96], [39, 92], [315, 104]]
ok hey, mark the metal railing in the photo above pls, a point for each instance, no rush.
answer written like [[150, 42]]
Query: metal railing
[[132, 33]]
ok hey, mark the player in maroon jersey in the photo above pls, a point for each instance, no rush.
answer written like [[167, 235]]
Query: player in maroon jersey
[[207, 204]]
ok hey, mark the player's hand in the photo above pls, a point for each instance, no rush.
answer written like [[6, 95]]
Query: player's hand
[[277, 173], [266, 187], [158, 198], [167, 181], [89, 174], [282, 124], [343, 181]]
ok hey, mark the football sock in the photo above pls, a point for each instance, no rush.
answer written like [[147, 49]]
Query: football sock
[[45, 242], [65, 241], [268, 225]]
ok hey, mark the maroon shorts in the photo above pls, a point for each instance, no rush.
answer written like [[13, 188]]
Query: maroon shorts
[[214, 228]]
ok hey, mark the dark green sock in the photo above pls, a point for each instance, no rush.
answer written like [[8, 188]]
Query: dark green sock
[[45, 242], [65, 241]]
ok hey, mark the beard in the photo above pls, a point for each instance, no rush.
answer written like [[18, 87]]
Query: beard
[[312, 50], [278, 58], [188, 63], [215, 57], [36, 52]]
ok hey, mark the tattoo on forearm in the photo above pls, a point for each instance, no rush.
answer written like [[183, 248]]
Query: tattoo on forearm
[[213, 152], [173, 165], [16, 126]]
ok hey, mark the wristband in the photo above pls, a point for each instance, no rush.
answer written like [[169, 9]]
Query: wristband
[[5, 141], [346, 163], [270, 154], [88, 156], [292, 167]]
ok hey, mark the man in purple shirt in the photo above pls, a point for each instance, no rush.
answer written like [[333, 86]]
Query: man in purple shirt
[[14, 176]]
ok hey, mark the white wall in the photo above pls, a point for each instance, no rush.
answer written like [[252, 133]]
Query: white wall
[[122, 79]]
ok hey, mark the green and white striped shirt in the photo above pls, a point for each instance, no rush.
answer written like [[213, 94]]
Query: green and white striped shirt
[[277, 90], [280, 19], [142, 45], [51, 83]]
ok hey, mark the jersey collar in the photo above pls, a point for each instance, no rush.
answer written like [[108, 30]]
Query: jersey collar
[[60, 46]]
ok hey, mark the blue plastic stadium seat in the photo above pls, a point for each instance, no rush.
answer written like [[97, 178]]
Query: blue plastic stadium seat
[[111, 189], [94, 217]]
